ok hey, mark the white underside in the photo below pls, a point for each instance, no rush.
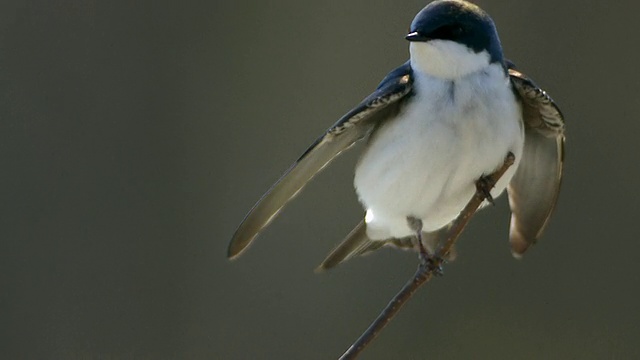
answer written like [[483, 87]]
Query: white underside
[[424, 163]]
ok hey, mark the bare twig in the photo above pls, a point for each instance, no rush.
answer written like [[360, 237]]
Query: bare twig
[[426, 270]]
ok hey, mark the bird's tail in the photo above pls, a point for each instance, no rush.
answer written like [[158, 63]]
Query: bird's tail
[[358, 243]]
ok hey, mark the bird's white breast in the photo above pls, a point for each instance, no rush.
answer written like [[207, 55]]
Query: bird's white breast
[[425, 162]]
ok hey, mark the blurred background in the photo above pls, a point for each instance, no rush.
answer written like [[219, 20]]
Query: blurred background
[[136, 135]]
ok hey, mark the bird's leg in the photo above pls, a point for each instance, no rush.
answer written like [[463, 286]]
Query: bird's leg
[[427, 261]]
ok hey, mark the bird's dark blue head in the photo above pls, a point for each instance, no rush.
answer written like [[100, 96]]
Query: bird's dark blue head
[[459, 22]]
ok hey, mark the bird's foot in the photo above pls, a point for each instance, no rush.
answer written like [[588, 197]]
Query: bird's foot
[[428, 262], [484, 186], [431, 263]]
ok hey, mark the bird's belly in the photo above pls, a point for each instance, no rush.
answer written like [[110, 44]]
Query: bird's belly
[[425, 163]]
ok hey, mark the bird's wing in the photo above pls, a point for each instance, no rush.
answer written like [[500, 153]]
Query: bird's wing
[[355, 125], [533, 191]]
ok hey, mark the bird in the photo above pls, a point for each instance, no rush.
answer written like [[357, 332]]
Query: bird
[[433, 127]]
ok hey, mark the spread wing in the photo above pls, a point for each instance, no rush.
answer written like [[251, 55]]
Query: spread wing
[[355, 125], [533, 191]]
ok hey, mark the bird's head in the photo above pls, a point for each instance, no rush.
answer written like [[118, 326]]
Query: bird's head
[[453, 38]]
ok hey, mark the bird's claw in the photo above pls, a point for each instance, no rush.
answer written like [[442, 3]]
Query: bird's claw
[[484, 186], [431, 264]]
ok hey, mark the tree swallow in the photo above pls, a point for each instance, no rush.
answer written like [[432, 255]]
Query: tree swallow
[[434, 126]]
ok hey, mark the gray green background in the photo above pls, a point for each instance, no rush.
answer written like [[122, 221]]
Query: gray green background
[[135, 135]]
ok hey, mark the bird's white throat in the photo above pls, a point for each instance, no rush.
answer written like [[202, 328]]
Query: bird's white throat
[[446, 59]]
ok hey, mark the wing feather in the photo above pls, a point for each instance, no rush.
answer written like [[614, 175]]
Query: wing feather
[[534, 189], [353, 126]]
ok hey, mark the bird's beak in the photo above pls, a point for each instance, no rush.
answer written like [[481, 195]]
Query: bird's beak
[[416, 36]]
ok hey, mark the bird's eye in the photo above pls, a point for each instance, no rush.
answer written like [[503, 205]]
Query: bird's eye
[[454, 31], [457, 31], [448, 32]]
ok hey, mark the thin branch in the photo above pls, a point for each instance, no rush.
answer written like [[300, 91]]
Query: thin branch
[[426, 270]]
